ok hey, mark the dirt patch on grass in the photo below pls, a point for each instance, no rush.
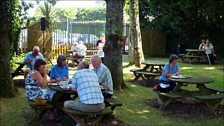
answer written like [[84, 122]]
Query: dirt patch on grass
[[188, 109], [61, 119]]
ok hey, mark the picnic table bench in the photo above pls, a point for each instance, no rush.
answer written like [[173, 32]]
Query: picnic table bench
[[40, 109], [18, 70], [193, 54], [112, 103], [90, 118], [167, 98], [212, 101], [211, 96], [149, 72]]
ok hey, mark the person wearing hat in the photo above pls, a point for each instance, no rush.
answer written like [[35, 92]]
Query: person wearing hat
[[60, 71], [170, 69]]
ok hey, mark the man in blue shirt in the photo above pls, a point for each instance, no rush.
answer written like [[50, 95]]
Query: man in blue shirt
[[104, 76], [31, 58], [85, 83], [170, 69], [60, 71]]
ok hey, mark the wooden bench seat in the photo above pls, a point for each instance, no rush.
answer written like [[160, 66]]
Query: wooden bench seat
[[87, 118], [146, 76], [134, 70], [191, 58], [40, 109], [212, 101], [215, 89], [167, 98], [113, 103]]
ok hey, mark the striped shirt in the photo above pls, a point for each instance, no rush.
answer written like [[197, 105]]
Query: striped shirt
[[86, 83], [104, 77]]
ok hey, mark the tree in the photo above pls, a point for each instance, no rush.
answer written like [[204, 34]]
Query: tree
[[114, 38], [188, 19], [135, 38], [11, 21]]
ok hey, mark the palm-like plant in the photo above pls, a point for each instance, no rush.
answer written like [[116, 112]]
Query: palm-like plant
[[47, 10]]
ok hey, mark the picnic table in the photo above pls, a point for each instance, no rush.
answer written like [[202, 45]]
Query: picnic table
[[210, 96], [151, 70], [193, 54], [18, 70]]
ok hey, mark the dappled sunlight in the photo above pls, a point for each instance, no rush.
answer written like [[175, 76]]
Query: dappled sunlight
[[143, 112], [133, 85], [186, 68], [209, 68]]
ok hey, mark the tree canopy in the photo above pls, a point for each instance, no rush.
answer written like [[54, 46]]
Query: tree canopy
[[187, 18]]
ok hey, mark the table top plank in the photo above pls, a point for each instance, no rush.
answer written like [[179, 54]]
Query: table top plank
[[193, 80], [155, 63]]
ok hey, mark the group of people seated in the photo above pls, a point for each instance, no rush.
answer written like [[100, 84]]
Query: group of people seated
[[80, 50], [208, 48], [86, 82]]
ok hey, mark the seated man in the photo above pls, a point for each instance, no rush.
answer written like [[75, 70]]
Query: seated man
[[31, 58], [60, 71], [85, 83], [104, 76], [81, 51]]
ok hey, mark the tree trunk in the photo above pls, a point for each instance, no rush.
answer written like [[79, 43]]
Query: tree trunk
[[114, 41], [135, 38], [6, 84]]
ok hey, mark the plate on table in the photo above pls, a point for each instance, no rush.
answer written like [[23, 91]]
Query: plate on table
[[53, 84]]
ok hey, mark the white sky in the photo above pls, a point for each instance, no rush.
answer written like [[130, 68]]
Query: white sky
[[65, 4]]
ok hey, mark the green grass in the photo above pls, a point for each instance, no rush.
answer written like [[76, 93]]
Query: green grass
[[135, 111]]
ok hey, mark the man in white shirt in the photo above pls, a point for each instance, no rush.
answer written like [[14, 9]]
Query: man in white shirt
[[81, 51], [209, 52]]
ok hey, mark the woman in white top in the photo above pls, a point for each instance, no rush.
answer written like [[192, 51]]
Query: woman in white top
[[209, 51]]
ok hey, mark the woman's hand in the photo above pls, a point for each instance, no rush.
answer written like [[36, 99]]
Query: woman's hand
[[58, 79], [40, 79], [177, 73], [65, 79]]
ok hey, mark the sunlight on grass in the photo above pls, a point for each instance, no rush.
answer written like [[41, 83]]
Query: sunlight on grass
[[133, 85], [186, 68], [209, 68]]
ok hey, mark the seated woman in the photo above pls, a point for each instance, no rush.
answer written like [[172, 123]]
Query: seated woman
[[59, 72], [35, 80], [170, 69]]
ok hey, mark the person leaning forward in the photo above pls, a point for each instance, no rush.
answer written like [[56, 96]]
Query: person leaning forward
[[31, 58], [85, 83]]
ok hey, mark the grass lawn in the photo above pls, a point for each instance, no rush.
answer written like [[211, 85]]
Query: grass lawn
[[135, 111]]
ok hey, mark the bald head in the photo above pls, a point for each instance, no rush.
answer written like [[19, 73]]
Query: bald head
[[83, 65], [36, 50]]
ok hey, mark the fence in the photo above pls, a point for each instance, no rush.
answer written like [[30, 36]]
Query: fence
[[69, 32], [65, 34]]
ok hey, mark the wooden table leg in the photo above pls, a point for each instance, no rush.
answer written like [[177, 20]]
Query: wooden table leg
[[137, 76], [203, 89], [78, 119]]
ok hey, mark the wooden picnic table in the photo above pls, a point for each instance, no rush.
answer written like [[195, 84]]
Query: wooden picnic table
[[153, 66], [151, 70], [18, 70], [211, 97], [192, 54], [200, 83]]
